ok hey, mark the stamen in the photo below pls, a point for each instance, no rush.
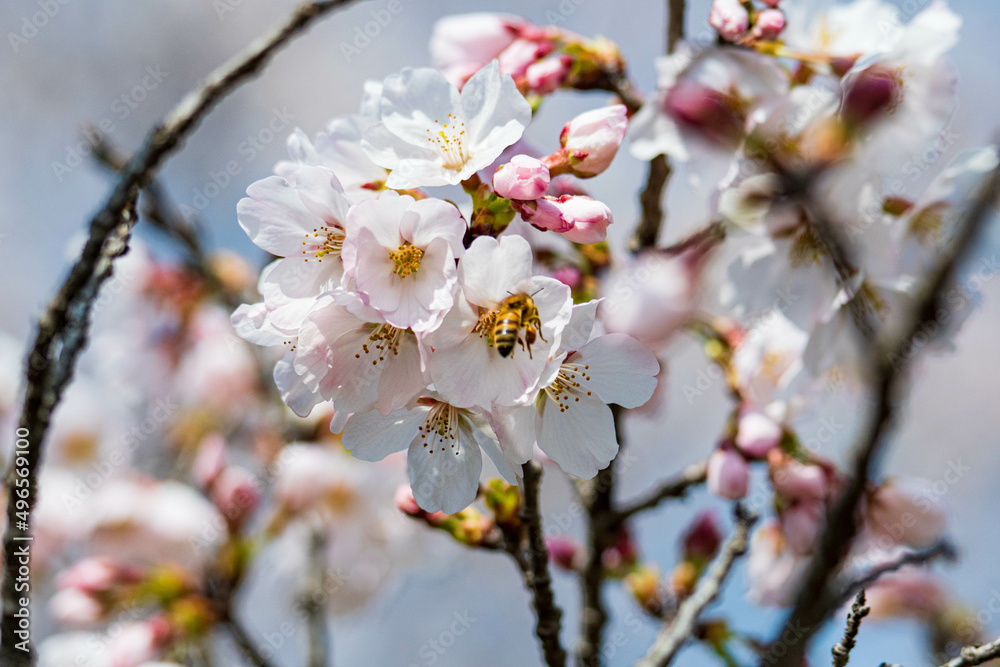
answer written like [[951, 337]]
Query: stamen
[[568, 386], [441, 426], [384, 339], [406, 259], [447, 141], [323, 241]]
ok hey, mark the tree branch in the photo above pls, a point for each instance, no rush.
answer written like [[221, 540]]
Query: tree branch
[[676, 487], [975, 655], [842, 650], [814, 602], [62, 331], [243, 642], [681, 629], [547, 612], [601, 530], [675, 23], [942, 549], [651, 197]]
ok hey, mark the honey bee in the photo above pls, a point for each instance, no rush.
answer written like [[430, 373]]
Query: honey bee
[[517, 311]]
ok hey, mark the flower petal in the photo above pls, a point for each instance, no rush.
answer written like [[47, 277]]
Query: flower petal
[[621, 369], [371, 437], [580, 439]]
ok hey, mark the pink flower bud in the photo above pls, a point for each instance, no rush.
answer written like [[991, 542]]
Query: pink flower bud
[[757, 433], [870, 93], [798, 482], [590, 219], [74, 607], [210, 459], [772, 3], [139, 642], [548, 74], [801, 524], [592, 139], [96, 575], [908, 511], [705, 111], [769, 25], [569, 276], [728, 474], [729, 18], [522, 178], [236, 494], [463, 43], [406, 503], [521, 53], [545, 214], [703, 537], [909, 593], [565, 552]]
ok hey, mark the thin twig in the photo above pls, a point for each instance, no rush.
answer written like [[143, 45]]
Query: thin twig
[[601, 530], [320, 653], [681, 629], [651, 203], [675, 23], [62, 330], [242, 641], [842, 650], [676, 487], [164, 216], [942, 549], [548, 614], [975, 655], [814, 602], [651, 197]]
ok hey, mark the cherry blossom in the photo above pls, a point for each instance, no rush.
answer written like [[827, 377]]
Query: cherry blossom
[[571, 420], [443, 444], [429, 133], [465, 366], [400, 253]]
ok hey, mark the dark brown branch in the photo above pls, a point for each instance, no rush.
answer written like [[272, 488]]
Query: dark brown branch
[[675, 23], [601, 530], [842, 650], [246, 646], [547, 612], [159, 209], [814, 602], [651, 204], [62, 330], [941, 549], [676, 487], [681, 629], [651, 197]]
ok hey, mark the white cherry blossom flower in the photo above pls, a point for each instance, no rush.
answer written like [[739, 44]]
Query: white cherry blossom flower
[[302, 222], [400, 254], [348, 354], [431, 134], [443, 444], [464, 364], [570, 419]]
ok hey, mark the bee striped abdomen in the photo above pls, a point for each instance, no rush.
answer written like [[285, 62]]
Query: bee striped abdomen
[[505, 331]]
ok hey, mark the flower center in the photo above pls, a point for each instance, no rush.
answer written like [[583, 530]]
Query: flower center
[[406, 259], [440, 428], [567, 389], [484, 327], [385, 339], [446, 139], [323, 241]]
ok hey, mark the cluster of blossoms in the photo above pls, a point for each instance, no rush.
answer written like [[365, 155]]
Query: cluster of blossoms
[[426, 329], [441, 289]]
